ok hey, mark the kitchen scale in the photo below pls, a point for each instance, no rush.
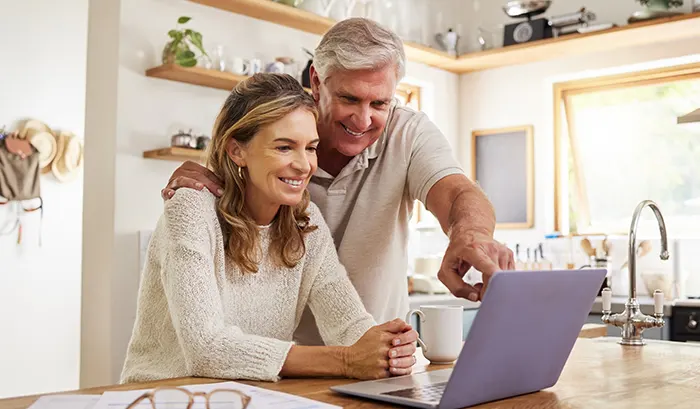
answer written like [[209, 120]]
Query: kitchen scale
[[529, 30]]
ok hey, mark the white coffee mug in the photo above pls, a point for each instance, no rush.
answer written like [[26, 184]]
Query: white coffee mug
[[441, 332], [239, 66]]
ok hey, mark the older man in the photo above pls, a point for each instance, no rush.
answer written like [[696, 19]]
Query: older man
[[374, 159]]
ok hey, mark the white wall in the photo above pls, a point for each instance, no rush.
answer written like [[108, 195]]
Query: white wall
[[43, 77], [149, 111], [99, 204], [522, 94]]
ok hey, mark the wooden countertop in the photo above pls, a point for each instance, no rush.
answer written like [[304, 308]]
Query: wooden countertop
[[599, 374]]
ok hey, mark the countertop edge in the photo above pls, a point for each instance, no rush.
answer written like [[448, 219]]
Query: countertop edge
[[415, 300]]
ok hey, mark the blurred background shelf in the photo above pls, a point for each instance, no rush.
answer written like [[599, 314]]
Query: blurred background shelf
[[177, 154], [197, 76], [303, 20], [639, 33]]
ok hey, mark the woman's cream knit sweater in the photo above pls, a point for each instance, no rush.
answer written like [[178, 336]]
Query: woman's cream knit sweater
[[198, 315]]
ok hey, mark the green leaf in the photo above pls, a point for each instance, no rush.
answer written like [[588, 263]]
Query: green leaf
[[185, 54], [183, 19], [196, 39], [173, 33], [187, 63], [186, 59], [173, 47], [176, 42]]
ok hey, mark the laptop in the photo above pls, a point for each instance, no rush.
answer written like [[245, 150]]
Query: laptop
[[518, 343]]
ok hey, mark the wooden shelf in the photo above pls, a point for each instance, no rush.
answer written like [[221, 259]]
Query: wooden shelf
[[641, 33], [177, 154], [268, 10], [197, 76], [647, 32]]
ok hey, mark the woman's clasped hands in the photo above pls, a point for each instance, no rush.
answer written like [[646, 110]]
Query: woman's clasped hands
[[384, 350]]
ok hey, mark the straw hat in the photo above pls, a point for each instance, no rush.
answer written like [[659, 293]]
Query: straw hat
[[45, 143], [69, 157], [31, 127]]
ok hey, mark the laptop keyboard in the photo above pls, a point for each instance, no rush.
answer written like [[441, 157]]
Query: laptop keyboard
[[432, 392]]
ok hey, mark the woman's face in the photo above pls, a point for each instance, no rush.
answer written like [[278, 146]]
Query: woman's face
[[278, 161]]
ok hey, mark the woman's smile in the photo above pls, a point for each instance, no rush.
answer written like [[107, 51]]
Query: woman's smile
[[295, 183]]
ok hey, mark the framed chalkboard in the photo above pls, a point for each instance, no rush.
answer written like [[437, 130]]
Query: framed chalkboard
[[502, 164]]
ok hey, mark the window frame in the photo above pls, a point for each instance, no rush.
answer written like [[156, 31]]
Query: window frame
[[562, 91], [410, 94], [411, 97]]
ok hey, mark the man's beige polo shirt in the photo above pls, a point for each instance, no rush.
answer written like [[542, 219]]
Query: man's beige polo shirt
[[368, 207]]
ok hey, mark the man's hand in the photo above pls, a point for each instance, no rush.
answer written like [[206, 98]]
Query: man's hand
[[469, 249], [467, 216], [194, 176]]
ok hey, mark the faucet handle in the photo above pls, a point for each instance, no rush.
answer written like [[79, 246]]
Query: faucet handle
[[658, 302], [607, 300]]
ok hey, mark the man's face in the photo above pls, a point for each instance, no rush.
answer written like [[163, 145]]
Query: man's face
[[353, 107]]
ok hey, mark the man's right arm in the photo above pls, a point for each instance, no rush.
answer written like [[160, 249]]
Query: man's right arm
[[463, 210], [194, 176]]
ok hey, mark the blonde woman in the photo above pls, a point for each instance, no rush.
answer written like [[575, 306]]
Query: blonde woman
[[227, 279]]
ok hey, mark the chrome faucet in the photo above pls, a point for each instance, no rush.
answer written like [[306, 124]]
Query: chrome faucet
[[632, 321]]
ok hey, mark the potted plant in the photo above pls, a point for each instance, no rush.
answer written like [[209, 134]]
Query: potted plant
[[655, 9], [178, 49]]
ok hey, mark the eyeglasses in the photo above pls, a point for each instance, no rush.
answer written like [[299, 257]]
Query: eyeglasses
[[180, 398]]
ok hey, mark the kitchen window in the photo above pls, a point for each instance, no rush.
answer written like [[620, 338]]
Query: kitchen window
[[617, 143], [409, 95]]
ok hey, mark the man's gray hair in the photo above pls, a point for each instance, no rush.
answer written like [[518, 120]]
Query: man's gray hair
[[359, 44]]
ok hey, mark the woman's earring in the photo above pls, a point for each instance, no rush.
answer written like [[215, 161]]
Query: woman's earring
[[240, 173]]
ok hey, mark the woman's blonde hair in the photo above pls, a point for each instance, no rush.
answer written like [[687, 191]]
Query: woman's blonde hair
[[254, 103]]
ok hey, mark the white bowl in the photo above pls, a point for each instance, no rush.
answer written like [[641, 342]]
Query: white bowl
[[658, 281]]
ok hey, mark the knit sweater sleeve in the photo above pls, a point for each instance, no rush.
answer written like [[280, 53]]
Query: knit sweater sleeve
[[210, 346], [340, 315]]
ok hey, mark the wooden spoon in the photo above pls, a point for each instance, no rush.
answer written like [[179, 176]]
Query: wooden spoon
[[643, 249], [607, 246], [587, 247]]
